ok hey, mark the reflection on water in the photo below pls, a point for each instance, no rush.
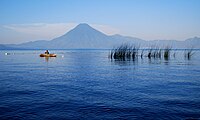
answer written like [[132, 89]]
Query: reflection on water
[[49, 58], [46, 59]]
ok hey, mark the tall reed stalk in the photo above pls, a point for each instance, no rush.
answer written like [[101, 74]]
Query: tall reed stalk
[[189, 53], [167, 52]]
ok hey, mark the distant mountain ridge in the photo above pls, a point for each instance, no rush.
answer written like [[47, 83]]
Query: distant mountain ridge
[[84, 36]]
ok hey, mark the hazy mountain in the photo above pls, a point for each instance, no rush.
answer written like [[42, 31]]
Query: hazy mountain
[[4, 47], [127, 39], [84, 36], [8, 47], [186, 44], [193, 42], [39, 44]]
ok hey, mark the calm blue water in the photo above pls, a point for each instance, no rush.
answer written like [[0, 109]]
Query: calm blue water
[[85, 84]]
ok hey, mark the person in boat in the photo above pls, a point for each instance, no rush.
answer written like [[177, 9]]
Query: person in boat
[[47, 52]]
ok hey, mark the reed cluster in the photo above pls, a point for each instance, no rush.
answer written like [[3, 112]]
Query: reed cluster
[[154, 52], [125, 51], [131, 52]]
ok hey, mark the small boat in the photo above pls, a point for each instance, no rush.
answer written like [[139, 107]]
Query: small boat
[[48, 55]]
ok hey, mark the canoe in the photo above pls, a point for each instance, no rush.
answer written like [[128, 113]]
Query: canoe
[[48, 55]]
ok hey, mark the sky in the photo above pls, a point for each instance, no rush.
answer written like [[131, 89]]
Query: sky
[[30, 20]]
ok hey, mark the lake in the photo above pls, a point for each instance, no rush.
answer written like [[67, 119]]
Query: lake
[[86, 84]]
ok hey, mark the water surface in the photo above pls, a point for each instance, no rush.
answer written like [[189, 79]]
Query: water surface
[[86, 84]]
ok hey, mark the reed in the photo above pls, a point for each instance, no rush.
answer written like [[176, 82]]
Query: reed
[[154, 52], [131, 52], [124, 51], [189, 53], [149, 53], [167, 52], [142, 53]]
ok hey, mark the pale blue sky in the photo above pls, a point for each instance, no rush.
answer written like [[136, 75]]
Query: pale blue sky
[[146, 19]]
